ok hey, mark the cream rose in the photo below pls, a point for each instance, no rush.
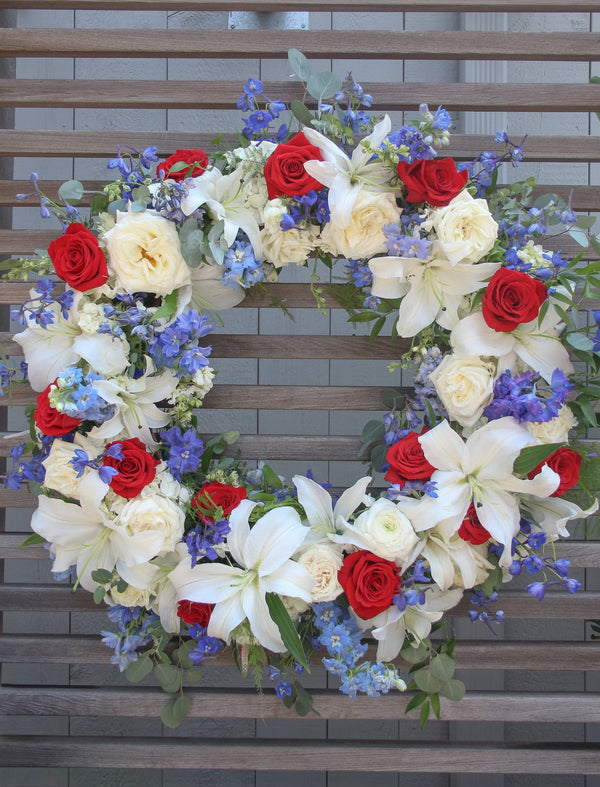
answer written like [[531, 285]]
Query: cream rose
[[144, 254], [155, 514], [363, 237], [323, 562], [465, 385], [557, 429], [465, 228], [281, 248], [131, 597], [384, 530]]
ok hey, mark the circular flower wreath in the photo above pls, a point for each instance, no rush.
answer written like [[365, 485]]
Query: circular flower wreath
[[192, 549]]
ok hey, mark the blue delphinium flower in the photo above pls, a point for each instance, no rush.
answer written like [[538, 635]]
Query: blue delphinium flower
[[527, 397], [184, 451], [132, 633]]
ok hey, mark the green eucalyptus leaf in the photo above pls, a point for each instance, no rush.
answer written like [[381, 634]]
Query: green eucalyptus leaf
[[442, 667], [585, 222], [115, 205], [194, 675], [175, 712], [323, 85], [372, 432], [102, 576], [532, 456], [99, 595], [138, 670], [289, 635], [579, 236], [414, 655], [71, 191], [580, 342], [231, 437], [454, 690], [168, 676], [378, 457], [426, 681], [299, 64], [393, 399], [492, 582], [98, 203]]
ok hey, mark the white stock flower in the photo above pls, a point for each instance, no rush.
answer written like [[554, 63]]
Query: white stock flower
[[361, 235], [465, 385], [465, 228], [154, 514], [144, 254], [263, 557], [282, 248], [323, 561]]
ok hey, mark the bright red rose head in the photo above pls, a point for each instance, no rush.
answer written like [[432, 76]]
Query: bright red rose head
[[50, 421], [284, 170], [370, 583], [214, 494], [78, 259], [136, 469], [407, 461], [565, 462], [436, 182], [512, 298], [193, 612], [196, 162], [472, 530]]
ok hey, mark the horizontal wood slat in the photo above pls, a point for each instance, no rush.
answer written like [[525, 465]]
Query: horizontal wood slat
[[584, 198], [372, 44], [495, 654], [581, 554], [245, 703], [149, 94], [89, 144], [257, 754], [515, 603]]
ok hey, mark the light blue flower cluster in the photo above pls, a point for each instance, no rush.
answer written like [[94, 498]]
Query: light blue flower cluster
[[241, 266], [39, 309], [176, 346], [399, 244], [341, 637], [527, 398], [75, 395], [24, 471], [166, 200], [131, 636]]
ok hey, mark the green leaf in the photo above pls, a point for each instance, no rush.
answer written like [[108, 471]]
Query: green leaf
[[372, 432], [363, 317], [323, 85], [168, 308], [71, 191], [99, 595], [415, 701], [442, 667], [424, 714], [168, 676], [181, 655], [102, 576], [138, 670], [289, 635], [585, 222], [378, 455], [587, 410], [98, 203], [304, 702], [175, 712], [302, 113], [435, 704], [393, 399], [299, 64], [532, 456], [454, 690], [194, 675], [231, 436], [271, 477], [426, 681], [579, 236], [595, 243], [414, 655], [493, 581], [580, 342], [34, 538]]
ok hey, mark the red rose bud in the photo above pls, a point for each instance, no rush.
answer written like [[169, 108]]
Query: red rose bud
[[50, 421], [435, 182], [193, 612], [370, 583], [407, 461], [196, 161], [567, 463], [472, 530], [213, 495], [78, 259], [512, 298], [284, 170], [136, 469]]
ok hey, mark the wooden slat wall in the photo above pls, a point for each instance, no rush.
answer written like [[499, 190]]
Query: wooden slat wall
[[97, 73]]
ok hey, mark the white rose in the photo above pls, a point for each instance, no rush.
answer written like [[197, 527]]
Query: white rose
[[384, 530], [363, 237], [557, 429], [323, 562], [130, 597], [144, 253], [155, 514], [281, 248], [61, 476], [465, 228], [465, 385]]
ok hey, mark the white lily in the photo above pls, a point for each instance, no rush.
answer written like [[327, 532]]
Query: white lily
[[431, 290], [135, 410], [551, 514], [536, 344], [209, 291], [262, 554], [345, 176], [322, 517], [223, 197], [85, 535], [480, 470]]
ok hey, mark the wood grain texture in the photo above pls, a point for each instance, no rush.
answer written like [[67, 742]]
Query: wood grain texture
[[246, 703], [309, 755], [149, 94], [372, 44], [89, 144]]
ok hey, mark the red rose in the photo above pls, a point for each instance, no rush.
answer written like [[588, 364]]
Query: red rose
[[197, 162], [50, 421], [78, 259], [284, 170], [214, 494], [136, 469], [435, 182], [565, 462], [512, 298], [370, 583], [407, 461], [194, 612], [472, 530]]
